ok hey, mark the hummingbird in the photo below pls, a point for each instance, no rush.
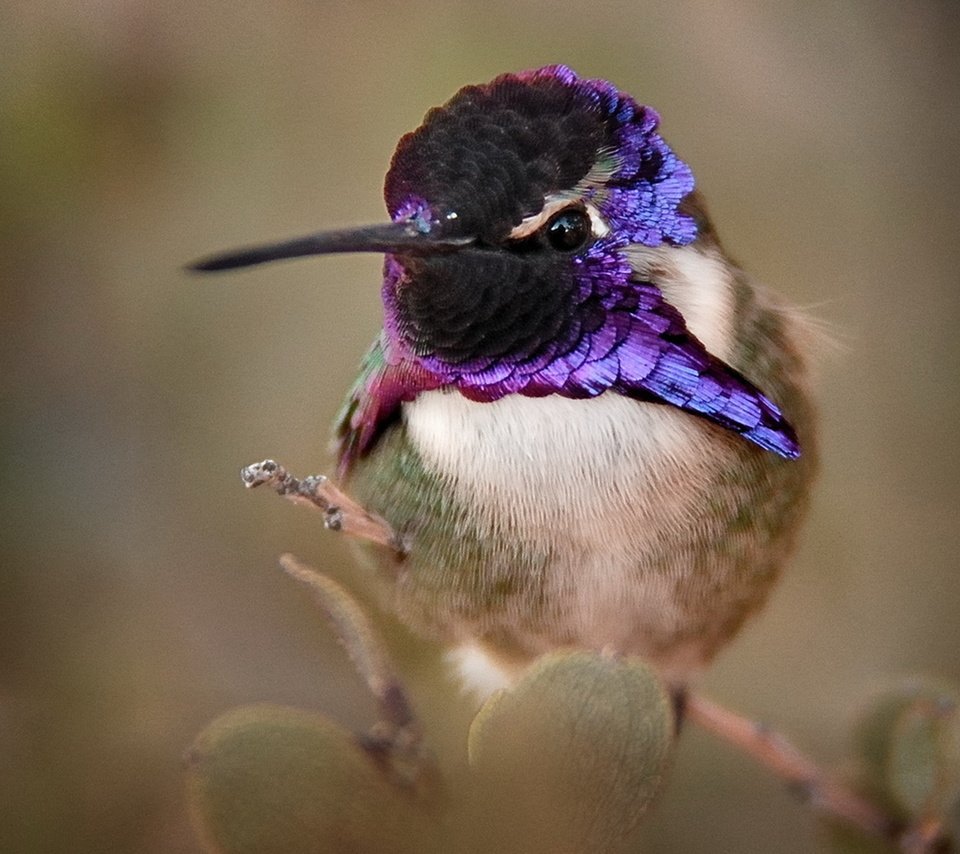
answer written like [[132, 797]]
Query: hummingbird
[[594, 428]]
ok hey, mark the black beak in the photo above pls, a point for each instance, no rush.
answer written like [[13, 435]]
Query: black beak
[[401, 238]]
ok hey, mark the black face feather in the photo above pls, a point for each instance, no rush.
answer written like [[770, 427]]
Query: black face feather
[[479, 305]]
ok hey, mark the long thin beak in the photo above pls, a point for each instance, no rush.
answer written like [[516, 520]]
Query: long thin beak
[[402, 238]]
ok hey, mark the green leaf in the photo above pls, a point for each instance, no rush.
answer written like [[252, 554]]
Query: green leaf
[[267, 779], [909, 746], [570, 759]]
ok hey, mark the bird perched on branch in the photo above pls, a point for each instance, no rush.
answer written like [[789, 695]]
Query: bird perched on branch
[[593, 428]]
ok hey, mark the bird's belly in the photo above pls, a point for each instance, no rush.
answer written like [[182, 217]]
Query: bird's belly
[[603, 523]]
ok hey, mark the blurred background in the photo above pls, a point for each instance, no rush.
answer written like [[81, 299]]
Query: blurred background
[[139, 594]]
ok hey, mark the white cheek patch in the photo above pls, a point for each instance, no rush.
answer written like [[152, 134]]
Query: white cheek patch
[[699, 284]]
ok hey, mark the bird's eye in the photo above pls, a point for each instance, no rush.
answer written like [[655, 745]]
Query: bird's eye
[[568, 229]]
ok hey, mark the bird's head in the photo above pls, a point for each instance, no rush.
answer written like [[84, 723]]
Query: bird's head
[[547, 178], [511, 207]]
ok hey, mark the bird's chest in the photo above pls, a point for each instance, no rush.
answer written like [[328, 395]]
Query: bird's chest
[[605, 474], [587, 516], [537, 523]]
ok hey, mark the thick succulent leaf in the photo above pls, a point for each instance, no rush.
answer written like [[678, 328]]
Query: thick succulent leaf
[[907, 757], [570, 758], [273, 780], [909, 745]]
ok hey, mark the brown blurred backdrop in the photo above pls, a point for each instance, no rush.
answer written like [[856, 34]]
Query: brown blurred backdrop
[[139, 595]]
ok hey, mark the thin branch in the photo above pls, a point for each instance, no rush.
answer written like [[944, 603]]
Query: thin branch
[[821, 790], [772, 750], [340, 511]]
